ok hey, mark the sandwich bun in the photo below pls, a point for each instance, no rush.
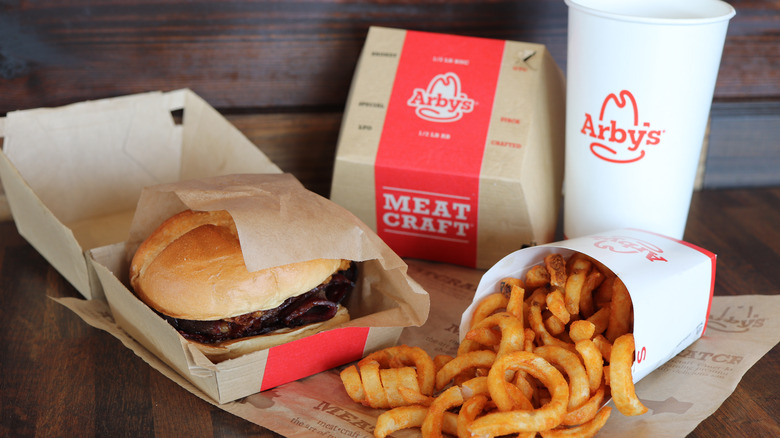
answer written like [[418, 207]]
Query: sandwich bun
[[192, 268]]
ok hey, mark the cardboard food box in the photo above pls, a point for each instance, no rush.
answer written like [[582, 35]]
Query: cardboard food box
[[670, 282], [270, 211], [74, 176], [451, 147]]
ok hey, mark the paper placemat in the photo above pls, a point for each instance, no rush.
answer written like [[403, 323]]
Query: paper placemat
[[680, 394]]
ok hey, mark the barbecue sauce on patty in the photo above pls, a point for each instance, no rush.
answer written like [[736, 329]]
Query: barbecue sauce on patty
[[317, 305]]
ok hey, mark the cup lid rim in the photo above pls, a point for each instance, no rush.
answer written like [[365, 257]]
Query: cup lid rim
[[710, 11]]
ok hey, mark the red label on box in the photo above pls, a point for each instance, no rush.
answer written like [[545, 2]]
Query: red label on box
[[430, 153], [313, 354]]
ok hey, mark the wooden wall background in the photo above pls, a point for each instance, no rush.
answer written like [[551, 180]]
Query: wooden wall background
[[280, 70]]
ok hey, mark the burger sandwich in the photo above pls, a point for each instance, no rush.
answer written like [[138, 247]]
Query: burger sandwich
[[191, 272]]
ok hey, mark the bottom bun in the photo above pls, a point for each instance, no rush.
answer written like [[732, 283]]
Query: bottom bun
[[238, 347]]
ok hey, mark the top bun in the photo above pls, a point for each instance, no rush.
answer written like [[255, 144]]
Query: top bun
[[192, 267]]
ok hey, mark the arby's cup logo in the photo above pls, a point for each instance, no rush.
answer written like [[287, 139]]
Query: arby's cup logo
[[442, 101], [630, 245], [617, 134]]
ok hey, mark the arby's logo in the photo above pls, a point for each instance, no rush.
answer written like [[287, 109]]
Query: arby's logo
[[630, 245], [617, 135], [442, 100]]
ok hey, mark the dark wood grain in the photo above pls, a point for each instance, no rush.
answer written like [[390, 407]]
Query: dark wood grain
[[301, 144], [288, 54], [236, 54], [59, 376], [268, 57], [280, 71], [743, 150]]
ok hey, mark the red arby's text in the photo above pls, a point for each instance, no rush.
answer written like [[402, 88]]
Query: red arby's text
[[442, 100], [620, 138], [630, 245], [430, 152]]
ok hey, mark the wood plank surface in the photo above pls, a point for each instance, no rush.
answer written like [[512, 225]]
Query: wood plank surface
[[288, 54], [270, 57], [61, 377], [301, 144], [280, 71]]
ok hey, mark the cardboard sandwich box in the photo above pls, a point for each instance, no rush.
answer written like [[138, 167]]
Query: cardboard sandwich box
[[451, 147], [88, 181], [73, 174]]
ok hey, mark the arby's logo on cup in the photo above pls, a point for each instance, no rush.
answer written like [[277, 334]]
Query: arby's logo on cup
[[630, 245], [442, 101], [617, 135]]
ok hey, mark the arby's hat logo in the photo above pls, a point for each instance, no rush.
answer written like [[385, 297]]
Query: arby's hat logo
[[617, 135], [442, 101], [630, 245]]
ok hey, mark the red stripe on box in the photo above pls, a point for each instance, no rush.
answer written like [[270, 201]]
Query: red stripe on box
[[313, 354], [712, 291], [433, 140]]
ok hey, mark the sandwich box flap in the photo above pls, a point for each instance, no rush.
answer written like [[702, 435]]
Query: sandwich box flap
[[73, 174]]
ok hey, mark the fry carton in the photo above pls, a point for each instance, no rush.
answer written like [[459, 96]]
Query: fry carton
[[451, 147], [279, 222], [670, 282]]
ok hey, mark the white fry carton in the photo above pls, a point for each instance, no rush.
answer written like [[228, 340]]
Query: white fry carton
[[670, 282]]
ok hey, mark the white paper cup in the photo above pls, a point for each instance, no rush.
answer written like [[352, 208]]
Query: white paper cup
[[640, 81]]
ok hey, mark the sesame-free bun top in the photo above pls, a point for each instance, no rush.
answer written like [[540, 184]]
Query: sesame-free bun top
[[192, 267]]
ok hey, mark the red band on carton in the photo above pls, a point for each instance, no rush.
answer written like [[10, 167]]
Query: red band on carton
[[305, 357], [430, 152]]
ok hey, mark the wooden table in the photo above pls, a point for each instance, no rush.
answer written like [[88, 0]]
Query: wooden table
[[59, 376], [280, 72]]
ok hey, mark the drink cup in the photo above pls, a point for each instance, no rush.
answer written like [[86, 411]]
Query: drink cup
[[640, 81]]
